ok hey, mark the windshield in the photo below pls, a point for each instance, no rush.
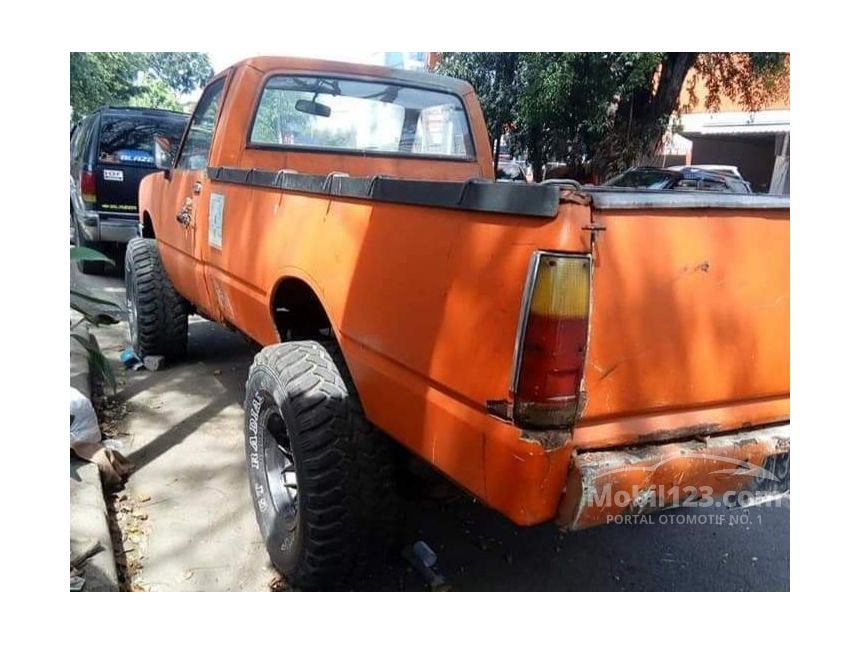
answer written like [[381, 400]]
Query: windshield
[[651, 179], [361, 116], [128, 139]]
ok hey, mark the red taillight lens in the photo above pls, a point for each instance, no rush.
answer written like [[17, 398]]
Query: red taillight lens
[[547, 384], [88, 186]]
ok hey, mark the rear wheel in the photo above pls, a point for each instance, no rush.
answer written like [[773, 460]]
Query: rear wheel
[[322, 477], [157, 314]]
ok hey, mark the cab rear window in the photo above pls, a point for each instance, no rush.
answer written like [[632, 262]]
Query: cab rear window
[[129, 139], [365, 117]]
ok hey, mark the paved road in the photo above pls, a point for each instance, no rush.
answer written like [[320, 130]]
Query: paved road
[[183, 429]]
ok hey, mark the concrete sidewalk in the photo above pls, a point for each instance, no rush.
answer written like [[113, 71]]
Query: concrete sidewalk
[[88, 525], [88, 515], [186, 516]]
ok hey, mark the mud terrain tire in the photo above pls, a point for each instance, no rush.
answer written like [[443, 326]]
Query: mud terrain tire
[[332, 514], [157, 314]]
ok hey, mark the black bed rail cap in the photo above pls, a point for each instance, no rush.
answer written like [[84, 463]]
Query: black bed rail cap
[[478, 194]]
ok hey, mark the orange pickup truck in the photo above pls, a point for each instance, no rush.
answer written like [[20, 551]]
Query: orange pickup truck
[[565, 354]]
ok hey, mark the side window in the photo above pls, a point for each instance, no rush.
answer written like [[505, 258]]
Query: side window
[[714, 186], [687, 184], [80, 136], [195, 151], [73, 143]]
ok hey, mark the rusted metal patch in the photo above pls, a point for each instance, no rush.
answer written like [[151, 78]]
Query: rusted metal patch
[[605, 484], [548, 439], [569, 196]]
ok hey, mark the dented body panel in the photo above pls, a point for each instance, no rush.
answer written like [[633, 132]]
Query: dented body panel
[[723, 469], [689, 323]]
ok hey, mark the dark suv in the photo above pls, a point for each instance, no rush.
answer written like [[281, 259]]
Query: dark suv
[[111, 150], [713, 179]]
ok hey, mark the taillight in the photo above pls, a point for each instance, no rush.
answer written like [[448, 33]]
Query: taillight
[[546, 387], [88, 186]]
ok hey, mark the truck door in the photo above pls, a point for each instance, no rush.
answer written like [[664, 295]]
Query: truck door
[[182, 208]]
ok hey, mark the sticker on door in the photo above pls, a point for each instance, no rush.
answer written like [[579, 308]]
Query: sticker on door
[[216, 219]]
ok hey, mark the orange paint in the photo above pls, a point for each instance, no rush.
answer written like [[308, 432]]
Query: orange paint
[[689, 320]]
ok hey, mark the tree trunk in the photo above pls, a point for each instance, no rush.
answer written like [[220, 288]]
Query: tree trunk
[[655, 118], [641, 120]]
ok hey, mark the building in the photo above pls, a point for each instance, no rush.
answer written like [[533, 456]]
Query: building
[[756, 142]]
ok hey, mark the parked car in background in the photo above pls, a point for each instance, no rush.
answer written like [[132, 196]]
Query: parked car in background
[[510, 171], [110, 151], [721, 179]]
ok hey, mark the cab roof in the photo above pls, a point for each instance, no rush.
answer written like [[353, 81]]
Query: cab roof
[[267, 64]]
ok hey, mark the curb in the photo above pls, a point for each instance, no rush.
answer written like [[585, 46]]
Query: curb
[[88, 514]]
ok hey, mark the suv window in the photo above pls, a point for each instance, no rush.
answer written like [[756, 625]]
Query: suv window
[[195, 151], [128, 138], [80, 138], [643, 178], [714, 185], [361, 116]]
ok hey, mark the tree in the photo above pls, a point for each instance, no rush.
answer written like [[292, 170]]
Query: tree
[[600, 112], [494, 75], [151, 79], [153, 92], [183, 72], [99, 78]]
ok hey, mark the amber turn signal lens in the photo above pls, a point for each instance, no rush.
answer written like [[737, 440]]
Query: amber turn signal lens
[[553, 343]]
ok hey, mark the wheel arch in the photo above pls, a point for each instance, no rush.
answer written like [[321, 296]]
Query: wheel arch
[[297, 310], [146, 226]]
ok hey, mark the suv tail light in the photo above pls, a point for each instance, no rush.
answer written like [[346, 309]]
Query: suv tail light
[[550, 360], [88, 186]]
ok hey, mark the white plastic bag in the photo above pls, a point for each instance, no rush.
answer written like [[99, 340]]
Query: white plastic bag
[[84, 427]]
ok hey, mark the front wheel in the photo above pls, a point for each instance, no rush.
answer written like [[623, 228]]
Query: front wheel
[[321, 476], [157, 314]]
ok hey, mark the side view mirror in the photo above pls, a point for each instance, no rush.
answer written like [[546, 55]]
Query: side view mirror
[[163, 154]]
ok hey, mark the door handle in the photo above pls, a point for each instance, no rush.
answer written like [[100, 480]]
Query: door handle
[[198, 186], [184, 215]]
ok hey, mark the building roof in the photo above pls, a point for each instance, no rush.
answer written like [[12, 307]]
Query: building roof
[[735, 123]]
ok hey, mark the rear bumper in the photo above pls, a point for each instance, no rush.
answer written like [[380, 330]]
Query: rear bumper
[[724, 470], [101, 226]]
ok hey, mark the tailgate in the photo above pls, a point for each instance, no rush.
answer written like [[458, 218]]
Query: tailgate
[[117, 185], [690, 318]]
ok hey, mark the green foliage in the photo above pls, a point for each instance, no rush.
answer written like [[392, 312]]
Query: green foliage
[[497, 80], [183, 72], [99, 78], [599, 112], [98, 361], [277, 117], [153, 92], [95, 311], [150, 79]]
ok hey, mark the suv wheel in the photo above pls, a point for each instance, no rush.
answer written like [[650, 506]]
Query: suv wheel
[[322, 477], [157, 314]]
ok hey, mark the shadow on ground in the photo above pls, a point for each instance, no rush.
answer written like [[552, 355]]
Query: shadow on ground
[[183, 430]]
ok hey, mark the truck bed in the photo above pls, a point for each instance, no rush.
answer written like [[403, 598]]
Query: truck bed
[[424, 280], [690, 319]]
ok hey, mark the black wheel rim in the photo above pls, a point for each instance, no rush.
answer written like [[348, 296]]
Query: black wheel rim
[[280, 465]]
